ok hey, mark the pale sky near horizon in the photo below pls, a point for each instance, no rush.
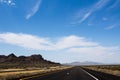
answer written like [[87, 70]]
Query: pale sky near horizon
[[61, 30]]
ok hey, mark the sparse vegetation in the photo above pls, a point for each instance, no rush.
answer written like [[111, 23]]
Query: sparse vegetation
[[111, 69], [18, 73], [12, 67]]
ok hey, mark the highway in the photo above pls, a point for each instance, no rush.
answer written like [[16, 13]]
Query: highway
[[75, 73]]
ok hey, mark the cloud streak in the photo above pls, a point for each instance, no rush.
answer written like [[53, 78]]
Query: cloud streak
[[85, 17], [34, 9], [99, 5], [112, 27]]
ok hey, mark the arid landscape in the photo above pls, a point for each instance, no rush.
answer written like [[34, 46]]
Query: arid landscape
[[25, 67], [12, 61], [111, 69], [13, 67], [6, 74], [59, 39]]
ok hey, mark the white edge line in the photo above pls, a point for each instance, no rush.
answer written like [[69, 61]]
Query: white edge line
[[90, 74]]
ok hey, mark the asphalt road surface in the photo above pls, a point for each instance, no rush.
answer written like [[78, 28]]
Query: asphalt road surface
[[76, 73]]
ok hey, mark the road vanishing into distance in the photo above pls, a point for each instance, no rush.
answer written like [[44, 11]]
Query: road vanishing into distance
[[75, 73]]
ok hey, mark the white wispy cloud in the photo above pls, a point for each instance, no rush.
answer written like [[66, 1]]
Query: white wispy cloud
[[73, 41], [97, 53], [111, 27], [97, 50], [34, 9], [40, 43], [99, 5], [74, 46], [26, 41], [85, 17], [8, 2]]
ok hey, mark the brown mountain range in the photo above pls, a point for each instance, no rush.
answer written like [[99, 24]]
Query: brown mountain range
[[12, 61]]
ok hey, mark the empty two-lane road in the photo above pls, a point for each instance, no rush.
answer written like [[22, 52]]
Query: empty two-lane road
[[75, 73]]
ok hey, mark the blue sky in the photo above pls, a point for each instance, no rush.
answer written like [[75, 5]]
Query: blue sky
[[61, 30]]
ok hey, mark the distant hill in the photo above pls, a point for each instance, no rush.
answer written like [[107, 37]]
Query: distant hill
[[83, 63], [12, 61]]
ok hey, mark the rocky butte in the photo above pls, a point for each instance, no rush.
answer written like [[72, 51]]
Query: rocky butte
[[36, 60]]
